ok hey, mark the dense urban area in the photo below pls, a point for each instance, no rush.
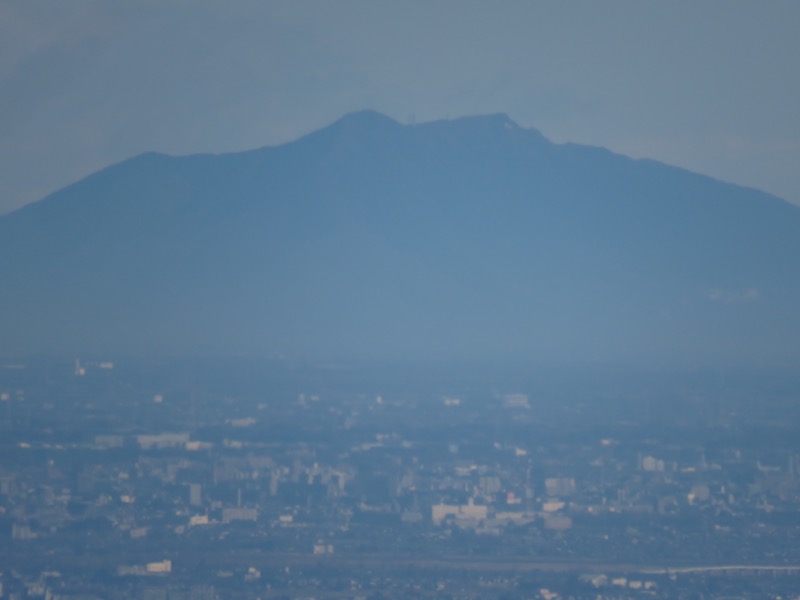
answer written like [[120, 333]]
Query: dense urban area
[[244, 478]]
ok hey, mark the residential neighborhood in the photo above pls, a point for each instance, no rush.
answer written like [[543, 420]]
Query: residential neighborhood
[[262, 479]]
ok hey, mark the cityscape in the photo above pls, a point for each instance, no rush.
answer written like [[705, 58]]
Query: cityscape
[[248, 478], [356, 300]]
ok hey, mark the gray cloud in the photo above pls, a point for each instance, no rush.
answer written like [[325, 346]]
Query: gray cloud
[[745, 296], [711, 86]]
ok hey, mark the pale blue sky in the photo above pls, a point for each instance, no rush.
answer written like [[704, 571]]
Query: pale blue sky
[[713, 86]]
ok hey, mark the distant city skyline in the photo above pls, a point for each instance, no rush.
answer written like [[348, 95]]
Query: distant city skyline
[[712, 86]]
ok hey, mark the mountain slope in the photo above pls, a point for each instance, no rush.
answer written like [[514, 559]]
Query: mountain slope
[[472, 238]]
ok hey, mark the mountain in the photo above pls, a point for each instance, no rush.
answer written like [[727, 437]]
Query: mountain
[[467, 239]]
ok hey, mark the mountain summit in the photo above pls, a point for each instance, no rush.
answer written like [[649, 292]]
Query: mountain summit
[[468, 239]]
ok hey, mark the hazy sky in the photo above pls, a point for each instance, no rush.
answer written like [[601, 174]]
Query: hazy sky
[[713, 86]]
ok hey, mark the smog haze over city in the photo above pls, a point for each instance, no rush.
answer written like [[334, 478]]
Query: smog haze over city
[[378, 300]]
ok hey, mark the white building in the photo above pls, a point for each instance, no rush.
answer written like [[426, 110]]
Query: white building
[[469, 514]]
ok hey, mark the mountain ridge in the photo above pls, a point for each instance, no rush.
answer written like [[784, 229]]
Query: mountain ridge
[[472, 237]]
